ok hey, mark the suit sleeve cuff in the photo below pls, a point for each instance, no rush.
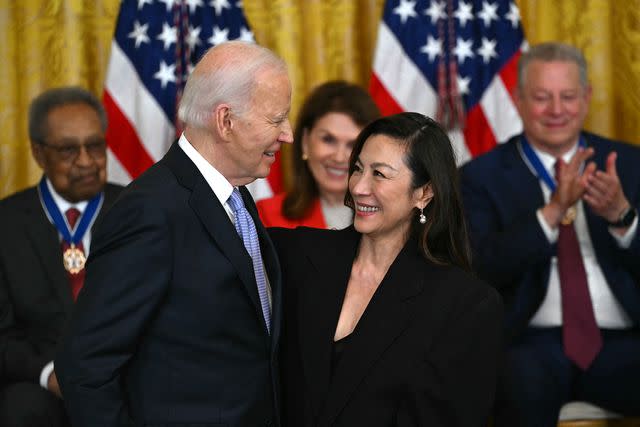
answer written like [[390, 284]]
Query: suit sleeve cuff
[[44, 375], [625, 240], [552, 235]]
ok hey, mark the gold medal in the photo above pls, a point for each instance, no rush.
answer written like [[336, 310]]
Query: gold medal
[[73, 259], [569, 216]]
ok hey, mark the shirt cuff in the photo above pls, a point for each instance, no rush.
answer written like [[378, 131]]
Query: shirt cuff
[[552, 235], [44, 375], [624, 241]]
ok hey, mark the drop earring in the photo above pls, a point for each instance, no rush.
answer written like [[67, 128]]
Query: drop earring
[[422, 218], [304, 156]]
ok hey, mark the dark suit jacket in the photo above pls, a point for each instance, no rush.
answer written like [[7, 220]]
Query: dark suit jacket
[[424, 352], [501, 196], [35, 295], [168, 329]]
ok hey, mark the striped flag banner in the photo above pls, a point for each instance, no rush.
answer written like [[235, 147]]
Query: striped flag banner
[[455, 61], [155, 46]]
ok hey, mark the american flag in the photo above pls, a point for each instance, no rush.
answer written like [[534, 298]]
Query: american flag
[[155, 46], [454, 60]]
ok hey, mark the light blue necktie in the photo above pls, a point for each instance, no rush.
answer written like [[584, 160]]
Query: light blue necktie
[[247, 230]]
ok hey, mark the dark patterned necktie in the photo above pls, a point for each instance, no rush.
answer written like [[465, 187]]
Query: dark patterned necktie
[[581, 335]]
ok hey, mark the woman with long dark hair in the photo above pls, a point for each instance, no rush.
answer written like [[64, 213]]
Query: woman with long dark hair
[[384, 323]]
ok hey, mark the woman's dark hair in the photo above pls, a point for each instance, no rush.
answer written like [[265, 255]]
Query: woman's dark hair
[[429, 155], [331, 97]]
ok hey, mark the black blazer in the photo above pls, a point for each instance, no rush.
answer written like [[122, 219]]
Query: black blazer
[[168, 329], [501, 196], [35, 295], [424, 353]]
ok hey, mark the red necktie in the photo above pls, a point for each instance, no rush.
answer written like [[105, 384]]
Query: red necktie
[[75, 280], [580, 332]]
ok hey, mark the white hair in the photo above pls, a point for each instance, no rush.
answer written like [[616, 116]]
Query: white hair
[[230, 81]]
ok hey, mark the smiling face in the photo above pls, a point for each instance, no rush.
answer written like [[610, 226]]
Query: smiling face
[[84, 176], [258, 134], [327, 147], [553, 105], [381, 189]]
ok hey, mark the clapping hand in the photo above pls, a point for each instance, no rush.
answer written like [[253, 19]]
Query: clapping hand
[[571, 184], [604, 192]]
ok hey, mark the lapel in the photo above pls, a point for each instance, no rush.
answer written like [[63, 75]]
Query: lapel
[[598, 229], [215, 220], [111, 192], [321, 294], [521, 184], [388, 314], [521, 188], [44, 238]]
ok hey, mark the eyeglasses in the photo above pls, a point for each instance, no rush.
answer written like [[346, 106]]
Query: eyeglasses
[[69, 152]]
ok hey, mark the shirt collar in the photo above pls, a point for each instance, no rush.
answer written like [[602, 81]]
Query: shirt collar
[[218, 183], [63, 204], [548, 160]]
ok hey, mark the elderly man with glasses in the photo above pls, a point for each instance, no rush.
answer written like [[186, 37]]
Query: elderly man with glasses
[[46, 236]]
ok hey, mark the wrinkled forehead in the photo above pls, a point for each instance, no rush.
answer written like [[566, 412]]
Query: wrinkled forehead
[[270, 78], [271, 91]]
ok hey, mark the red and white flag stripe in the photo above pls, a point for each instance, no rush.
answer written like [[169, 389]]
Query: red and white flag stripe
[[398, 85]]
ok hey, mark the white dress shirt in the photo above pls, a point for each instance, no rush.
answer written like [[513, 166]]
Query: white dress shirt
[[608, 311]]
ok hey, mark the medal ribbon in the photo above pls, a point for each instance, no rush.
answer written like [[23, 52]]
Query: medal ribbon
[[73, 237], [538, 168]]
